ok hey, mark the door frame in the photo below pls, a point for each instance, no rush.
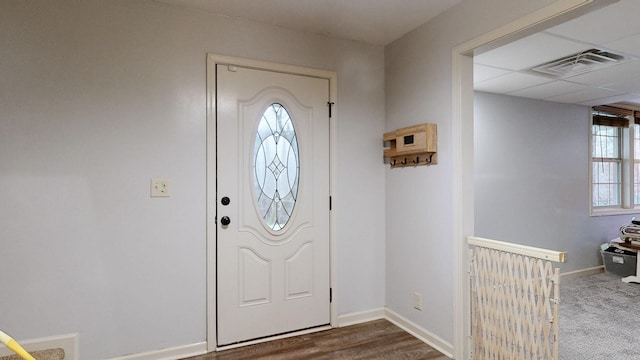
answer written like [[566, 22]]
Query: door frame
[[463, 145], [212, 61]]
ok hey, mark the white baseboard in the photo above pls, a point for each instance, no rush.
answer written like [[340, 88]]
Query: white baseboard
[[361, 317], [582, 272], [68, 342], [422, 334], [173, 353]]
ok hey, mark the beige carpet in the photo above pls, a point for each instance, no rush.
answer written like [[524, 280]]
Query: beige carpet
[[51, 354]]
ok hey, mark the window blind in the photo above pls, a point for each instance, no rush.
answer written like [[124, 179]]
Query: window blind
[[608, 115], [610, 121]]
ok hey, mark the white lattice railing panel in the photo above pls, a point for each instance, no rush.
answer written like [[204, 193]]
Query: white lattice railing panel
[[514, 299]]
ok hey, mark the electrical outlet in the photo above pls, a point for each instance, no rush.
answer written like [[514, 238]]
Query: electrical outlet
[[417, 301], [160, 187]]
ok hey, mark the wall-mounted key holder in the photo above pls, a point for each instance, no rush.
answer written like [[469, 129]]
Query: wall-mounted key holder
[[412, 146]]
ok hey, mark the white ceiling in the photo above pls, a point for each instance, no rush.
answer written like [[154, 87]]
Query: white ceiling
[[503, 70], [376, 22], [613, 28]]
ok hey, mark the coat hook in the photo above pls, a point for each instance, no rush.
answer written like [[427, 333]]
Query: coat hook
[[417, 160], [404, 162], [392, 162]]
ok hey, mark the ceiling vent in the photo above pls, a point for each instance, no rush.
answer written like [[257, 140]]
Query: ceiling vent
[[586, 61]]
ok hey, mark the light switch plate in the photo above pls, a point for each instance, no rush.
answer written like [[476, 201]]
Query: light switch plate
[[160, 187]]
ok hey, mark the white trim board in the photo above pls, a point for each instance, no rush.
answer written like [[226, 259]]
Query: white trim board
[[178, 352], [582, 272], [68, 343], [332, 76], [361, 317]]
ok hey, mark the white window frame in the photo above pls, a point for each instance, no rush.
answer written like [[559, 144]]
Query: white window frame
[[627, 147]]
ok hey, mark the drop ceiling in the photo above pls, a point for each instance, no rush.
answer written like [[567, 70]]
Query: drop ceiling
[[614, 28]]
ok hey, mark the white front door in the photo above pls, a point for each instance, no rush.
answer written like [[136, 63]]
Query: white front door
[[272, 203]]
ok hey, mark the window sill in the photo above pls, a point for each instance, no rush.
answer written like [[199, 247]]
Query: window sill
[[614, 211]]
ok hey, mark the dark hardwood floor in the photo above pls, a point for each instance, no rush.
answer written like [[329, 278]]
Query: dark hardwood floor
[[378, 339]]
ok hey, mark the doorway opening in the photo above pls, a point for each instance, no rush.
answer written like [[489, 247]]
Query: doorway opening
[[463, 146]]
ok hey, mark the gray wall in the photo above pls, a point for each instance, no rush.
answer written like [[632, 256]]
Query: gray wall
[[96, 98], [99, 96], [419, 200], [532, 178]]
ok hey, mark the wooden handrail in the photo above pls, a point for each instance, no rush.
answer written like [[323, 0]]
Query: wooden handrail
[[551, 255]]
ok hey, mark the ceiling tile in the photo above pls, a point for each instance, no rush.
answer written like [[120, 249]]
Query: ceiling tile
[[530, 51], [613, 22], [584, 95], [608, 75], [511, 82], [483, 72], [631, 99], [548, 90], [629, 84], [614, 28], [629, 45]]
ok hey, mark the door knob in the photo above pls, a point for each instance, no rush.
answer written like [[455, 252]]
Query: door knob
[[225, 220]]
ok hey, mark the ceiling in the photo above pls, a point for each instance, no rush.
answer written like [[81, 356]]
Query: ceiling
[[614, 28], [376, 22], [504, 70]]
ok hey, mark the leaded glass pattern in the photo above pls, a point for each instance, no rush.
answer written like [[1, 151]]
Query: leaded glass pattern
[[276, 167]]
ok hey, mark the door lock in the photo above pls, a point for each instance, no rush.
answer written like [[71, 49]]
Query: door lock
[[225, 221]]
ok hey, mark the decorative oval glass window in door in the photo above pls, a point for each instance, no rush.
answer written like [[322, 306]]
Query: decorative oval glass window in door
[[276, 167]]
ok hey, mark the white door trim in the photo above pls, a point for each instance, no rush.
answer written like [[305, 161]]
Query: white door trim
[[212, 61], [463, 150]]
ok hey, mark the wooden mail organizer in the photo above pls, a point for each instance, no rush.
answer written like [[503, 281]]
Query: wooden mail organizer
[[412, 146]]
